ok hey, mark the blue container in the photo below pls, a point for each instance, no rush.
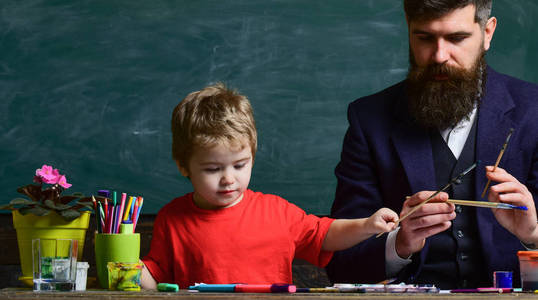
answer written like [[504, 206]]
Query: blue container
[[502, 279]]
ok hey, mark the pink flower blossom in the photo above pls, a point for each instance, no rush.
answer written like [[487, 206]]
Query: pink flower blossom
[[62, 181], [47, 174]]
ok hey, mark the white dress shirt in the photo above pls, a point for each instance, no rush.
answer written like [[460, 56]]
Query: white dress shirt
[[455, 138]]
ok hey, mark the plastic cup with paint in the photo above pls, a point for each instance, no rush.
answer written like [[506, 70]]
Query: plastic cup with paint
[[82, 275], [124, 276], [528, 266], [502, 279]]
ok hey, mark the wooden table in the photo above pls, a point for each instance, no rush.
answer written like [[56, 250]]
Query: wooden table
[[18, 293]]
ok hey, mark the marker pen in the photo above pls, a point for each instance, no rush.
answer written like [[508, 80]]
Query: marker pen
[[265, 288], [167, 287], [213, 287]]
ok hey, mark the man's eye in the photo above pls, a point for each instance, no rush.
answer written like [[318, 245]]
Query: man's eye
[[239, 166], [211, 170], [456, 38], [425, 38]]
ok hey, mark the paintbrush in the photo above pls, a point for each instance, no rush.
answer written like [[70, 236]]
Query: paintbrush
[[486, 204], [455, 180], [498, 160]]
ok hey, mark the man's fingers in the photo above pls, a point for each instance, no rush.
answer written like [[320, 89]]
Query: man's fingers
[[509, 187], [430, 209], [499, 175], [425, 232], [416, 223], [420, 197]]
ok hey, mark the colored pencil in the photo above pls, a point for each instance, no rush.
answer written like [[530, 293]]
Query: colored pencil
[[106, 209], [135, 212], [96, 213], [139, 208], [102, 217], [126, 214], [110, 219], [132, 209], [120, 212], [114, 210]]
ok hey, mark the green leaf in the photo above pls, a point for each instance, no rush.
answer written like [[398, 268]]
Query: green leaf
[[22, 201], [82, 207], [56, 206], [36, 210], [19, 202], [50, 204], [66, 199], [7, 206], [70, 214], [86, 203]]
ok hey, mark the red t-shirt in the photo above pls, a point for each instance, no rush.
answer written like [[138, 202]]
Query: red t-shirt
[[253, 242]]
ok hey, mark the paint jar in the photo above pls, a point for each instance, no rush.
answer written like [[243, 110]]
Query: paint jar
[[82, 275], [528, 266], [502, 279], [124, 276], [54, 264]]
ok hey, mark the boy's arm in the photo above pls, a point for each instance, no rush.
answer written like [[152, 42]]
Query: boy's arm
[[344, 233], [146, 280]]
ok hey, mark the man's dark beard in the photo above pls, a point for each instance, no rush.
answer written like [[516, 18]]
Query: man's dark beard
[[443, 104]]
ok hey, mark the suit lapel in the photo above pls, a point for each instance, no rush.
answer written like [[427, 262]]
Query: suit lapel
[[414, 149], [494, 124]]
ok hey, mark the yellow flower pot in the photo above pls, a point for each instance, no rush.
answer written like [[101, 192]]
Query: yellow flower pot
[[51, 226]]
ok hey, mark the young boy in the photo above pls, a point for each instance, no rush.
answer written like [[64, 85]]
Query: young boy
[[223, 232]]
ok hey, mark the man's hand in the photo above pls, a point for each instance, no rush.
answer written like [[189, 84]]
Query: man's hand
[[432, 218], [521, 223]]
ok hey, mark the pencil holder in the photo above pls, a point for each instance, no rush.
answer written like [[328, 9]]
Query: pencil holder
[[124, 248]]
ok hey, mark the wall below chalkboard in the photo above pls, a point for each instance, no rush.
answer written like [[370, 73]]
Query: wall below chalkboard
[[89, 86]]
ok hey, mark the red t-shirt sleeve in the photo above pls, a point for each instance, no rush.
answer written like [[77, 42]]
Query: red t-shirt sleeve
[[309, 232], [159, 260]]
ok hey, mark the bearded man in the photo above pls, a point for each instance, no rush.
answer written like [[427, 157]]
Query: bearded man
[[411, 139]]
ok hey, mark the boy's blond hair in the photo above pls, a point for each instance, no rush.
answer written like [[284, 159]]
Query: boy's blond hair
[[209, 117]]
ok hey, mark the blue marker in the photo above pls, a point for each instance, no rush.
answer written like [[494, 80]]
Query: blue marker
[[213, 287]]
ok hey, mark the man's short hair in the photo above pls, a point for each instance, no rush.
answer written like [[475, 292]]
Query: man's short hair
[[214, 115], [433, 9]]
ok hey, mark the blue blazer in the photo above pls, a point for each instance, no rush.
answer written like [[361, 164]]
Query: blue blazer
[[386, 157]]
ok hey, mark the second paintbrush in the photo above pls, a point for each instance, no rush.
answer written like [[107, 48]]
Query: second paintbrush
[[486, 204]]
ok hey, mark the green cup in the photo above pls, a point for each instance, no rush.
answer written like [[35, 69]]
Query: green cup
[[120, 247]]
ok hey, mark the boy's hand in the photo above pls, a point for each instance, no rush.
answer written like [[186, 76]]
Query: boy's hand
[[383, 220], [345, 233]]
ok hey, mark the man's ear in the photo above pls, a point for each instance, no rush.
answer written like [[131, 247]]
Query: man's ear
[[489, 29], [182, 170]]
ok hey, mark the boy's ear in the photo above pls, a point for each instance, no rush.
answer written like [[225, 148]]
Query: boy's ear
[[182, 170]]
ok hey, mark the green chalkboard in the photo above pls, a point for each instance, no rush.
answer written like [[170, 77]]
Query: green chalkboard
[[89, 86]]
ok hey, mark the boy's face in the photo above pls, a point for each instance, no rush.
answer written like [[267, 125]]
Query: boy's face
[[219, 175]]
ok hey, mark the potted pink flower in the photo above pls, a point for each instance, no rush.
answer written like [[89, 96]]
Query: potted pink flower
[[45, 196]]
